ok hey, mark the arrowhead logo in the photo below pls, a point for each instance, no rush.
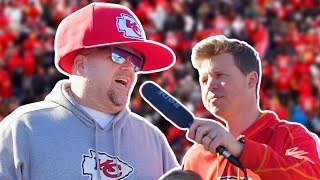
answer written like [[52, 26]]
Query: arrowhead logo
[[109, 167], [129, 26]]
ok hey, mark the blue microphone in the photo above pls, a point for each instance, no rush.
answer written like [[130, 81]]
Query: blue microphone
[[168, 106], [175, 112]]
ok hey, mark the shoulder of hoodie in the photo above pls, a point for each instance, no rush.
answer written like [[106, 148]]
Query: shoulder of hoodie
[[278, 123], [28, 109], [285, 127], [144, 123]]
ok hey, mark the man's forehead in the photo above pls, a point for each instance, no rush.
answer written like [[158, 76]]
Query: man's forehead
[[216, 63], [208, 63]]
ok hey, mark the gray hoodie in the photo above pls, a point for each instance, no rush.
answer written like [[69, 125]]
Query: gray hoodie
[[57, 139]]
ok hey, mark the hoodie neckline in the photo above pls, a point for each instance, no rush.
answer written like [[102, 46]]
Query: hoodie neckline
[[61, 94], [259, 125]]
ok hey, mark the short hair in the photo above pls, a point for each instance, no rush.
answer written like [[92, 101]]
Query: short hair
[[246, 58], [182, 174]]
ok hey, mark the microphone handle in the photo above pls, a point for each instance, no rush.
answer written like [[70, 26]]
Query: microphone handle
[[225, 153]]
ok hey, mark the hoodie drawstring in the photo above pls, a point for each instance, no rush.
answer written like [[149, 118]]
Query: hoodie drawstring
[[97, 153], [115, 147], [217, 161]]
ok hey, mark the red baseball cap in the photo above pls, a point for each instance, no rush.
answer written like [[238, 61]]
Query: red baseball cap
[[105, 24]]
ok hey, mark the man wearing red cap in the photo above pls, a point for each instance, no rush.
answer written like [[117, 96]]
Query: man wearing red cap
[[84, 129]]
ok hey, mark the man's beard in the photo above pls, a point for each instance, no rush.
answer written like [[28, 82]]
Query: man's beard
[[115, 98]]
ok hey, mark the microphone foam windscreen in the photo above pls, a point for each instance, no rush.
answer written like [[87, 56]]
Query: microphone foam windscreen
[[168, 106]]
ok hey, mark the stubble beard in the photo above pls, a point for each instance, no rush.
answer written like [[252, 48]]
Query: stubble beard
[[116, 99]]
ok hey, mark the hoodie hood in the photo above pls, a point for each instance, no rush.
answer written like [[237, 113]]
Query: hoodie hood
[[61, 94]]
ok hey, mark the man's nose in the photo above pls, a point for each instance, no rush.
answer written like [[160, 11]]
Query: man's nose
[[213, 83], [127, 65]]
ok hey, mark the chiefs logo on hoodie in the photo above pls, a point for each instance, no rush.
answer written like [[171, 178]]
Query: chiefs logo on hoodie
[[111, 167]]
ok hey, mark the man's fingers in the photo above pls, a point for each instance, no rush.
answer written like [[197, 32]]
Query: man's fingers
[[210, 139], [201, 132], [214, 144], [211, 135], [193, 129]]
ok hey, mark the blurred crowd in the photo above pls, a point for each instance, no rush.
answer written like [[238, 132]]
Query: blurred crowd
[[286, 33]]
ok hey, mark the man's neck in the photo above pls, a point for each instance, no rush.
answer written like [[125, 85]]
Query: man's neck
[[242, 121], [94, 104]]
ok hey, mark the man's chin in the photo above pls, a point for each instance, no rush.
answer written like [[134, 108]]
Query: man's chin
[[218, 112], [120, 104], [117, 100]]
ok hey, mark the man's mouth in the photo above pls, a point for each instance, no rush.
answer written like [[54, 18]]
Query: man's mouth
[[123, 82], [213, 99]]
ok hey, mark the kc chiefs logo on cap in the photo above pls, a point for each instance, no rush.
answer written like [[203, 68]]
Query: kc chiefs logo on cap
[[109, 168], [129, 26]]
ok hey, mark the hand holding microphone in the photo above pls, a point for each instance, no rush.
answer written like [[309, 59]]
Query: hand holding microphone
[[208, 133], [212, 135]]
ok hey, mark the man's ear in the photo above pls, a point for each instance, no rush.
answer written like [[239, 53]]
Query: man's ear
[[78, 64], [252, 79]]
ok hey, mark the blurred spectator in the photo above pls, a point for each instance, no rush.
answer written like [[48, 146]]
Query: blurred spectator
[[14, 12], [315, 123], [5, 84], [299, 116], [282, 84], [178, 142]]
